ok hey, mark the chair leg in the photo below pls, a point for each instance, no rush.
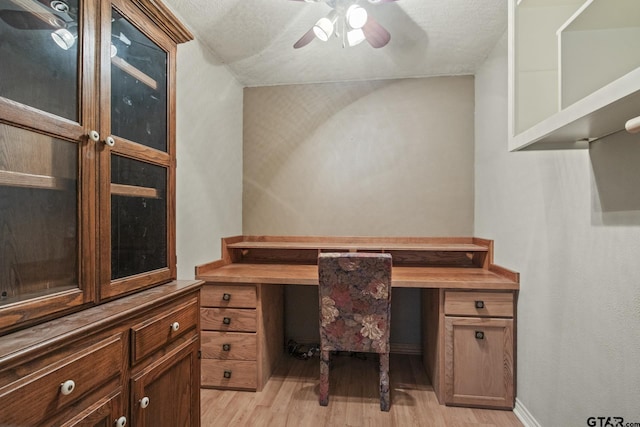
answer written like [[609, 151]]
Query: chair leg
[[324, 377], [385, 399]]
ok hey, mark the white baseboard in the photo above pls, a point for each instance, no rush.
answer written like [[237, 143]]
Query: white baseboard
[[410, 349], [524, 415]]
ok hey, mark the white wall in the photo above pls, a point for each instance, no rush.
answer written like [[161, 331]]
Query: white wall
[[389, 158], [209, 166], [569, 222]]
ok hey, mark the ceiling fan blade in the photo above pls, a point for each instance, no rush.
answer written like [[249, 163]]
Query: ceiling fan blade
[[305, 40], [376, 34]]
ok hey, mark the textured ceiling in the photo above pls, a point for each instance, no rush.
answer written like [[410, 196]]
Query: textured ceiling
[[255, 38]]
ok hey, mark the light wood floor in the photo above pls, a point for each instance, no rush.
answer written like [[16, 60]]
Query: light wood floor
[[290, 398]]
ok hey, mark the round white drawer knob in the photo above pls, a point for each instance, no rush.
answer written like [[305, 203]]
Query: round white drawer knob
[[94, 135], [175, 326], [67, 387], [144, 402], [110, 141], [121, 422]]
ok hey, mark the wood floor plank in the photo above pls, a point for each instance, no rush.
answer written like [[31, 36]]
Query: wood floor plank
[[290, 398]]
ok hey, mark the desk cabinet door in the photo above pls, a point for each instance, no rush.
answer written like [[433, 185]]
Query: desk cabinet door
[[479, 362]]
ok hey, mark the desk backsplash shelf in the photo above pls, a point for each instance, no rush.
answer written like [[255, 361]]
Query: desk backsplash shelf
[[410, 251]]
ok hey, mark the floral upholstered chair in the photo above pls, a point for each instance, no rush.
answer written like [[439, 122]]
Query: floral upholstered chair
[[355, 311]]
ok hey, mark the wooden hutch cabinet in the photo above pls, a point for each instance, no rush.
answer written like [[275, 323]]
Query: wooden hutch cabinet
[[87, 153], [93, 325]]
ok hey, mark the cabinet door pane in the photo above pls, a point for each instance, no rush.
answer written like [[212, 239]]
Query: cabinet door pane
[[138, 86], [138, 217], [47, 77], [38, 215]]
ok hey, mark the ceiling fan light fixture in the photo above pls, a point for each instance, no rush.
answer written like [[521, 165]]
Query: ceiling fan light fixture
[[59, 6], [354, 25], [356, 16], [325, 26], [355, 37], [65, 37]]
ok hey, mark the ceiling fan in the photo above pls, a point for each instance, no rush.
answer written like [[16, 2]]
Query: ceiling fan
[[348, 20]]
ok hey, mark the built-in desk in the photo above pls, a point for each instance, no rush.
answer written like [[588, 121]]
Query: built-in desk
[[468, 309]]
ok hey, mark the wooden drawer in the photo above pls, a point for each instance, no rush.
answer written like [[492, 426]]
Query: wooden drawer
[[242, 374], [228, 319], [161, 329], [232, 296], [36, 398], [229, 345], [482, 304]]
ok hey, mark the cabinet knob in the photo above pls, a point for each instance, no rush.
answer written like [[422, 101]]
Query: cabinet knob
[[226, 320], [226, 347], [479, 335], [110, 141], [175, 326], [226, 297], [227, 374], [94, 135], [144, 402], [67, 387], [479, 304], [121, 422]]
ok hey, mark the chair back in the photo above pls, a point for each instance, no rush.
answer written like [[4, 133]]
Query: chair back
[[355, 301]]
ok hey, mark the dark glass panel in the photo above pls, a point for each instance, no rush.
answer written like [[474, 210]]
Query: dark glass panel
[[46, 78], [38, 215], [138, 86], [138, 217]]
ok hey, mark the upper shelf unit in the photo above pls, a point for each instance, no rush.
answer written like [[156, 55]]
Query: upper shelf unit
[[574, 71], [459, 252]]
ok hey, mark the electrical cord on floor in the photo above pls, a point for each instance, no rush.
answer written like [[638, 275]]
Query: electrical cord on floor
[[302, 351], [307, 351]]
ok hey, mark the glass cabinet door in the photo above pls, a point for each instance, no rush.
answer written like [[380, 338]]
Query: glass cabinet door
[[136, 199], [46, 264]]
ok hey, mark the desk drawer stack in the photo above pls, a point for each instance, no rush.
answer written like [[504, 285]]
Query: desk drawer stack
[[229, 353], [234, 317]]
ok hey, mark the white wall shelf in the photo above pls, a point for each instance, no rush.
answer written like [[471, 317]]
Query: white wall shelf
[[574, 71]]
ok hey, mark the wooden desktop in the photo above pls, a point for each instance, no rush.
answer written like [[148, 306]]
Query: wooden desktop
[[468, 309]]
